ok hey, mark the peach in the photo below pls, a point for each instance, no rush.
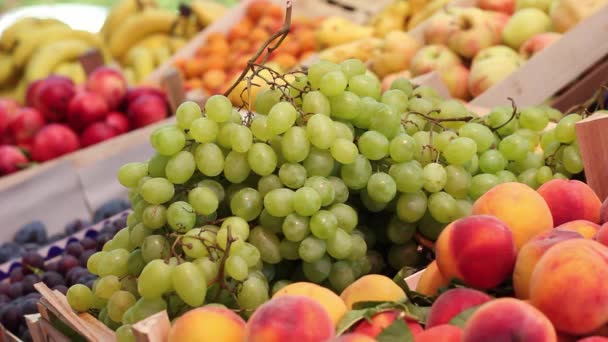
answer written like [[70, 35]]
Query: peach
[[530, 254], [431, 280], [523, 210], [568, 285], [587, 229], [352, 337], [453, 302], [594, 339], [208, 323], [329, 300], [478, 250], [602, 235], [443, 333], [508, 319], [570, 200], [285, 318], [376, 324], [371, 287]]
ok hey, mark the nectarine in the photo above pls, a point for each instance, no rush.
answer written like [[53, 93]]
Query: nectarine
[[570, 200]]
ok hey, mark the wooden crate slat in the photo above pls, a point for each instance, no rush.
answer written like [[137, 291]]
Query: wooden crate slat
[[592, 136]]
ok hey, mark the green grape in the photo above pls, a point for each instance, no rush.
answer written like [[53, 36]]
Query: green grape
[[530, 135], [262, 159], [340, 189], [218, 108], [271, 222], [189, 284], [514, 147], [365, 86], [93, 262], [311, 249], [252, 293], [204, 130], [208, 268], [80, 297], [279, 202], [458, 181], [333, 83], [319, 163], [247, 251], [548, 142], [122, 241], [451, 109], [339, 246], [401, 148], [125, 334], [370, 204], [144, 308], [442, 207], [259, 128], [236, 166], [323, 224], [154, 216], [564, 130], [155, 279], [368, 106], [138, 209], [266, 99], [395, 98], [533, 118], [481, 134], [317, 271], [472, 166], [552, 113], [114, 262], [403, 84], [180, 167], [424, 152], [268, 183], [295, 227], [289, 249], [425, 92], [314, 102], [356, 174], [246, 203], [441, 140], [203, 200], [181, 216], [435, 177], [317, 70], [505, 176], [460, 150], [156, 165], [358, 248], [241, 139], [267, 243], [502, 117], [341, 275], [281, 116], [345, 106], [106, 286], [352, 67], [279, 285], [118, 303], [344, 151], [373, 145], [528, 177], [419, 105], [209, 159], [400, 256], [157, 190], [408, 176], [295, 145], [481, 183], [239, 230], [130, 174], [132, 219], [155, 247], [306, 201], [381, 187], [543, 175], [413, 123], [411, 206], [236, 268], [168, 140], [571, 159], [344, 130], [193, 244], [492, 161], [532, 160], [323, 187], [186, 113], [400, 232], [214, 186], [346, 215], [321, 131], [386, 121], [464, 208], [224, 137], [558, 175], [135, 263]]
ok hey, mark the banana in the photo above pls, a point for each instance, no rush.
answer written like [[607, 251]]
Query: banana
[[207, 11], [129, 75], [10, 36], [161, 54], [362, 49], [30, 41], [142, 62], [71, 70], [192, 27], [154, 41], [426, 12], [176, 43], [135, 28], [393, 17], [418, 5], [120, 12], [49, 56], [7, 69], [337, 30]]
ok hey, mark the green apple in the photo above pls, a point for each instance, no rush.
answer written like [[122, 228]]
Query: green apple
[[495, 51], [488, 72], [433, 57], [523, 25], [542, 5]]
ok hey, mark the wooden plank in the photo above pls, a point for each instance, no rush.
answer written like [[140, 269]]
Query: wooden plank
[[412, 281], [34, 327], [433, 79], [593, 145], [583, 89], [152, 329]]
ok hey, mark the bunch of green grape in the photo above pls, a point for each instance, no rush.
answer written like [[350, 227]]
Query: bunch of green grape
[[330, 180]]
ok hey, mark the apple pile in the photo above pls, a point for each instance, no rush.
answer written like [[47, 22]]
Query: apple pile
[[60, 117]]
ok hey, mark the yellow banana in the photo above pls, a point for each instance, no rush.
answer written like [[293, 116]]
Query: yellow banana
[[31, 41], [49, 56], [192, 27], [418, 5], [129, 75], [426, 12], [154, 41], [207, 11], [161, 54], [176, 43], [10, 36], [392, 18], [141, 61], [7, 69], [135, 28], [120, 12]]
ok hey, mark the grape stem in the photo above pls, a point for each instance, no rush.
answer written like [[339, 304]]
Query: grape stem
[[438, 121], [175, 243], [220, 272], [513, 116]]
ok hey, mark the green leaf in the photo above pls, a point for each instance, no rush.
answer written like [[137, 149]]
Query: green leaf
[[418, 312], [349, 319], [461, 319], [398, 331], [370, 304]]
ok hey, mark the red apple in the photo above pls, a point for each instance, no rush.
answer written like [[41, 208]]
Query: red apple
[[86, 108], [31, 94], [433, 57], [11, 159], [145, 110], [25, 125], [110, 84], [537, 43], [118, 121], [53, 141], [498, 21], [8, 110], [439, 28], [504, 6], [134, 93], [53, 96], [474, 32], [97, 132], [456, 79]]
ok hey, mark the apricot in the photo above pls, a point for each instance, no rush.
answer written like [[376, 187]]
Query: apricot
[[530, 254], [453, 302], [208, 323], [602, 235], [431, 280], [568, 285], [523, 210], [352, 337], [443, 333], [478, 250], [289, 318], [329, 300], [371, 287], [376, 324], [586, 228], [570, 200], [508, 319]]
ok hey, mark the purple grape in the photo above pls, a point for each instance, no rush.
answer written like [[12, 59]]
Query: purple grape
[[52, 278], [67, 263], [11, 317], [29, 306], [110, 208], [34, 295], [102, 239], [88, 243], [15, 290], [61, 288], [28, 283], [16, 275], [4, 298], [32, 232], [74, 274], [32, 260], [84, 257], [4, 287], [52, 266], [75, 226], [74, 248]]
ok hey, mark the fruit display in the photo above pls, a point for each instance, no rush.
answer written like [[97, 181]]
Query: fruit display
[[60, 117]]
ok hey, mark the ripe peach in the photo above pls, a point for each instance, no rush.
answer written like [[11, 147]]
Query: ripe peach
[[478, 250], [452, 302], [329, 300], [210, 323], [602, 235], [431, 280], [568, 285], [523, 210], [371, 287], [285, 318], [352, 337], [594, 339], [443, 333], [380, 321], [508, 319], [530, 254], [587, 229], [570, 200]]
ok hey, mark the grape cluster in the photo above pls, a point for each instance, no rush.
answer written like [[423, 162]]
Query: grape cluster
[[331, 179]]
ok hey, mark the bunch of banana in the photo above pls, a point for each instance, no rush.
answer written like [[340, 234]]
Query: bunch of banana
[[422, 10], [335, 31], [404, 15]]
